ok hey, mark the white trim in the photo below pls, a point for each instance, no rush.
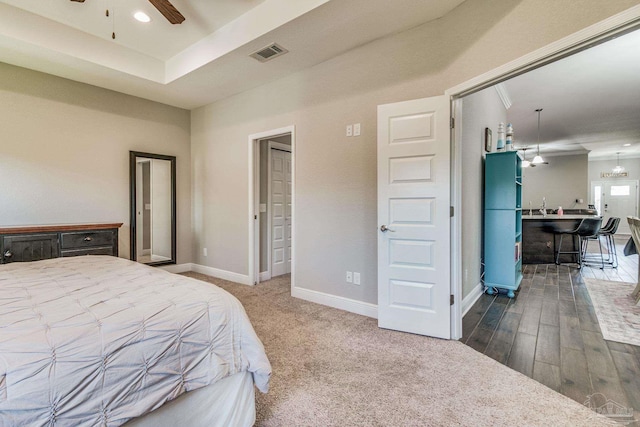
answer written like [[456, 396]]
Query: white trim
[[346, 304], [265, 275], [256, 208], [178, 268], [269, 212], [222, 274], [607, 28], [472, 297], [456, 223], [503, 94], [254, 266], [279, 146]]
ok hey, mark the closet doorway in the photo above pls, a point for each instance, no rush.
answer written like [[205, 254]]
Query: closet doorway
[[272, 207]]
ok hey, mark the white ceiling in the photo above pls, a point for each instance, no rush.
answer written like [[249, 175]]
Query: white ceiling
[[205, 58], [590, 101]]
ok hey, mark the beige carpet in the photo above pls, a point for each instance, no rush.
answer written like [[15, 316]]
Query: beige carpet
[[333, 368], [617, 312]]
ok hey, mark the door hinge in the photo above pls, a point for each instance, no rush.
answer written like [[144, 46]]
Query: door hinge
[[255, 217], [453, 123], [450, 299], [451, 211]]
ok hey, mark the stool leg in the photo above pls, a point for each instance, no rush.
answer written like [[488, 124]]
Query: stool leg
[[601, 258], [559, 248]]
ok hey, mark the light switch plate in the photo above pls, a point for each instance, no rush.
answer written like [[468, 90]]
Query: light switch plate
[[349, 130], [263, 207], [356, 129]]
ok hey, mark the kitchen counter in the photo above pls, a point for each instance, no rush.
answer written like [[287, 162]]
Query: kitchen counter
[[537, 237]]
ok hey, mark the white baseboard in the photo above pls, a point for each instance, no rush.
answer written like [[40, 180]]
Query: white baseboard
[[353, 306], [472, 297], [178, 268], [222, 274]]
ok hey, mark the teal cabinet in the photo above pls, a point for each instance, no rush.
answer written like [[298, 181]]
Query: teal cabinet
[[503, 222]]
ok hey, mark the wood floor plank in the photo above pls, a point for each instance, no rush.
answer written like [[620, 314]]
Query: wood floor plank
[[517, 304], [567, 308], [551, 292], [499, 350], [530, 319], [628, 368], [493, 314], [479, 339], [588, 319], [611, 388], [621, 347], [474, 315], [550, 314], [548, 345], [570, 334], [598, 357], [576, 383], [522, 353], [548, 375]]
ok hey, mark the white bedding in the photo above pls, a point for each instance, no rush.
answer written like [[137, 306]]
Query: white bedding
[[98, 340]]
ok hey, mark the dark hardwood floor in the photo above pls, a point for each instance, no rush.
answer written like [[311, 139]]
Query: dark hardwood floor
[[550, 333]]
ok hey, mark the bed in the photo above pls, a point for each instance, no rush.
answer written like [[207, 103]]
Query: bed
[[99, 340]]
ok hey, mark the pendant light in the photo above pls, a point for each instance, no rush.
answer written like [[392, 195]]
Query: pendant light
[[618, 168], [537, 159], [525, 163]]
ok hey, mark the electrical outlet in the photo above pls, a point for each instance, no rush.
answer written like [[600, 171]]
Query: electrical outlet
[[356, 129], [356, 278], [349, 277], [204, 251], [349, 130]]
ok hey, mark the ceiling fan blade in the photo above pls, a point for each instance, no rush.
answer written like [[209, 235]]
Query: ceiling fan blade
[[167, 9]]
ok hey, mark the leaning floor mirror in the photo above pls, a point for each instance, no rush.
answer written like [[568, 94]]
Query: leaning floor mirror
[[153, 208]]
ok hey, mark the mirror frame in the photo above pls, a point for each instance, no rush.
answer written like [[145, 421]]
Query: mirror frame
[[133, 156]]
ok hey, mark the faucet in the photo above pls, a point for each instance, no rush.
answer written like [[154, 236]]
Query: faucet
[[543, 208]]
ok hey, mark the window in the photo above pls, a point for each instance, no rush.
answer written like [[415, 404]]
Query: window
[[619, 190]]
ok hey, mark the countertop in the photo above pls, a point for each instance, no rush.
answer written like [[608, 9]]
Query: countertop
[[556, 217]]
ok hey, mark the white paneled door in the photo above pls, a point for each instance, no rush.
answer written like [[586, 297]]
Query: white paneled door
[[414, 217], [616, 198], [280, 212]]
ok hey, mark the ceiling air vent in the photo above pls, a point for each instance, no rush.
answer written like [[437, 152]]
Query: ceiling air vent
[[268, 53]]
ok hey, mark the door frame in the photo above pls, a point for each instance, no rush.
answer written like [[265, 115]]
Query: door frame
[[614, 26], [604, 182], [254, 199], [281, 147]]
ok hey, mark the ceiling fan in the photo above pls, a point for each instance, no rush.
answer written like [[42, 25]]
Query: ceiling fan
[[165, 8]]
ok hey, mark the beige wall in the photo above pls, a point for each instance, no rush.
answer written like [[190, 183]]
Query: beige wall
[[64, 152], [336, 176], [561, 182], [479, 111]]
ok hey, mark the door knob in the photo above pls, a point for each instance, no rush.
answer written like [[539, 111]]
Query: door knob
[[384, 229]]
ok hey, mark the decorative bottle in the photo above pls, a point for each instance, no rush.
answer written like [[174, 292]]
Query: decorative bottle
[[500, 144], [560, 211], [509, 141]]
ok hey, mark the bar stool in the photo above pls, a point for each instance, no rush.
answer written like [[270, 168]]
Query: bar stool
[[587, 228], [607, 231], [609, 234]]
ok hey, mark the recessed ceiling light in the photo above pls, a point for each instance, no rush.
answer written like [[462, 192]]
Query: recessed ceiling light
[[141, 16], [627, 145]]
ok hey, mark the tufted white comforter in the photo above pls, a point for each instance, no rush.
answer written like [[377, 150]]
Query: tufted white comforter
[[97, 340]]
